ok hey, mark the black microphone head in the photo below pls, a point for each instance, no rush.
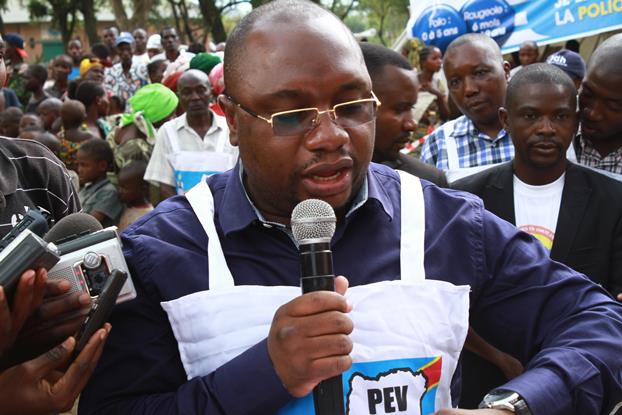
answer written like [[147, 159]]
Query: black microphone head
[[313, 219], [72, 226]]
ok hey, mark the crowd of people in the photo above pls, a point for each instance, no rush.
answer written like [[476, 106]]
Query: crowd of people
[[520, 199]]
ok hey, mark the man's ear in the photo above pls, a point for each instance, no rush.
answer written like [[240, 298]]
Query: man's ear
[[229, 108], [103, 165], [506, 69], [503, 117]]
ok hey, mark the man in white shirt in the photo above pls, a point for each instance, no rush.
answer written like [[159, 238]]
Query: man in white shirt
[[192, 145], [177, 59], [575, 212], [140, 47]]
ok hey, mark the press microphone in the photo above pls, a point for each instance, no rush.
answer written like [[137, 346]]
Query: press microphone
[[34, 220], [72, 227], [313, 224]]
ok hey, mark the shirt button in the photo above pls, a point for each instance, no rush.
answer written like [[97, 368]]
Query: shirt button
[[267, 225]]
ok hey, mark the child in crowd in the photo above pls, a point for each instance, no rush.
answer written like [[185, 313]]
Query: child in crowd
[[72, 133], [98, 195], [117, 105], [133, 192], [9, 122], [156, 70], [49, 111], [36, 75], [30, 122]]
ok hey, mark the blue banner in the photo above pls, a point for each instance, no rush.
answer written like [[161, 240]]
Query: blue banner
[[512, 22]]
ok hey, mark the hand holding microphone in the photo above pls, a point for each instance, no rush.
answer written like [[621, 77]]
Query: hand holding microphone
[[309, 340]]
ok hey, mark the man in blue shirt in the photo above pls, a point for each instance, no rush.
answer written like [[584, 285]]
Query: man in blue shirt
[[477, 79], [567, 328]]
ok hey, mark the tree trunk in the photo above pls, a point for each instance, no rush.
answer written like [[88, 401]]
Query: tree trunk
[[257, 3], [183, 10], [120, 14], [213, 20], [141, 13], [218, 30], [176, 17], [90, 21]]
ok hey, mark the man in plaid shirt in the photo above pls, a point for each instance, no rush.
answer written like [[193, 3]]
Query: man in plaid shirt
[[599, 145], [477, 79]]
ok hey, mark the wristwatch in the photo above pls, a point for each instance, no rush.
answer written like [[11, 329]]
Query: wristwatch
[[505, 399]]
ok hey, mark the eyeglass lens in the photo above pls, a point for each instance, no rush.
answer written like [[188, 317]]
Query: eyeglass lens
[[347, 116]]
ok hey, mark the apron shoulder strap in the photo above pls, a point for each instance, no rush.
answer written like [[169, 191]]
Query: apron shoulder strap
[[413, 228], [202, 203], [450, 143], [172, 136]]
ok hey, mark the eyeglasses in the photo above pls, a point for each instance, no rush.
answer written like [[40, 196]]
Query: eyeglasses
[[301, 121]]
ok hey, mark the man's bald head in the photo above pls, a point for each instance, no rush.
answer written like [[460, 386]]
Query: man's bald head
[[279, 11], [192, 75], [607, 57], [475, 39], [600, 98]]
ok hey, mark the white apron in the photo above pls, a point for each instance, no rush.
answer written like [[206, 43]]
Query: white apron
[[407, 335], [454, 171], [191, 167], [571, 155]]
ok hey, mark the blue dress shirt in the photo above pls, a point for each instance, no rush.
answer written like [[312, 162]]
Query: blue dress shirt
[[567, 328]]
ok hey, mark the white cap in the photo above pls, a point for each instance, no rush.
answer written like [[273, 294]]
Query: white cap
[[154, 42]]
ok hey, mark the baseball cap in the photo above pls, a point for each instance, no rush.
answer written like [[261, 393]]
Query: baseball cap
[[125, 37], [568, 61], [15, 40]]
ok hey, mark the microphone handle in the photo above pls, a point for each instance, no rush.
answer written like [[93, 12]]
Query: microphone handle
[[316, 260]]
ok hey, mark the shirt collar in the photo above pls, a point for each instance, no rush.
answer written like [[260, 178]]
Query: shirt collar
[[217, 123], [238, 211], [586, 146], [464, 127]]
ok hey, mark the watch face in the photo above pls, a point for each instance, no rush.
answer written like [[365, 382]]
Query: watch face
[[505, 399], [499, 395]]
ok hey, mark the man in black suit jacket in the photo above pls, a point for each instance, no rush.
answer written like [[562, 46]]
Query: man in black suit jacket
[[395, 84], [584, 205]]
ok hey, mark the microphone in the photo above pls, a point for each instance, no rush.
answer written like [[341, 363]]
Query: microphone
[[34, 220], [71, 227], [313, 224]]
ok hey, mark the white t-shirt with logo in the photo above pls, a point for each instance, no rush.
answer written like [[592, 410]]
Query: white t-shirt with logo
[[536, 208]]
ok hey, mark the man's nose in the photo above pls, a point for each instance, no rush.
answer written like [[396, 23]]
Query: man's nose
[[326, 135], [471, 86], [409, 123], [546, 127]]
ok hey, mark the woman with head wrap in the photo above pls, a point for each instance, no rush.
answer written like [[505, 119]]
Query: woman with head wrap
[[92, 69], [204, 62], [134, 135]]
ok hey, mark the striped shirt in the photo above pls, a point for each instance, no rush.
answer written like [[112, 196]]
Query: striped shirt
[[474, 147], [588, 156], [32, 177]]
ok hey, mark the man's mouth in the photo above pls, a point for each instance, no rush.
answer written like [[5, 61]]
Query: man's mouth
[[325, 179], [476, 104]]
